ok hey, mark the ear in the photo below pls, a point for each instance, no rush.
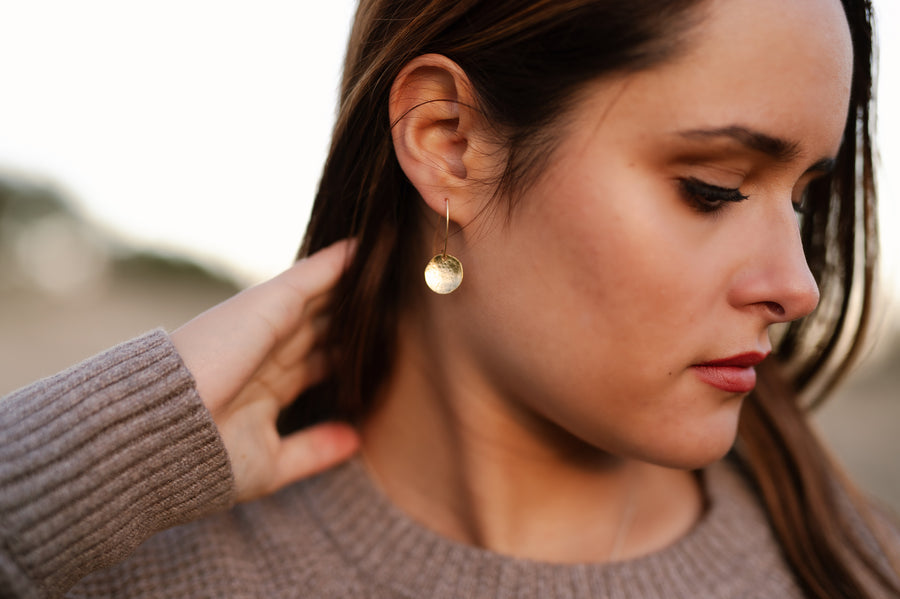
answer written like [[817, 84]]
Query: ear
[[440, 137]]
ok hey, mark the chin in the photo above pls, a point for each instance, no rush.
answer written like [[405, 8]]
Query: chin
[[690, 448], [693, 459]]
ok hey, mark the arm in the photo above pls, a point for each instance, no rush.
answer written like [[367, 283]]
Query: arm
[[96, 459]]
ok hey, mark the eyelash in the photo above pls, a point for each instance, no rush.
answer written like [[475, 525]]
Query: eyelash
[[802, 208], [707, 198]]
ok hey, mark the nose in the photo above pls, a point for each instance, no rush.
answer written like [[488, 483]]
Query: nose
[[774, 278]]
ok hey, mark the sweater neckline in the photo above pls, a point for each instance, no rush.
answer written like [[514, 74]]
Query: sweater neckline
[[731, 541]]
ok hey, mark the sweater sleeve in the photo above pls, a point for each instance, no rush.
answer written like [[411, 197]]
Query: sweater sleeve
[[96, 459]]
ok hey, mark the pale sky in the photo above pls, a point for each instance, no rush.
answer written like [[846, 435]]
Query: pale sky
[[200, 126], [195, 126]]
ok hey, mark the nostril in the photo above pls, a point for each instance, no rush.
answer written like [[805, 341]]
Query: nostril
[[774, 307]]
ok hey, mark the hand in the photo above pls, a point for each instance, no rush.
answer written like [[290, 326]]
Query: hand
[[251, 356]]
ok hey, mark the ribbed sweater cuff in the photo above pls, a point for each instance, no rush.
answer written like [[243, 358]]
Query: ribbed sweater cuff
[[96, 459]]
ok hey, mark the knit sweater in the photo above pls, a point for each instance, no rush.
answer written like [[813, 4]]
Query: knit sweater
[[96, 461]]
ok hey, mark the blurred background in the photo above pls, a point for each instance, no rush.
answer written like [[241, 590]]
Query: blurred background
[[156, 157]]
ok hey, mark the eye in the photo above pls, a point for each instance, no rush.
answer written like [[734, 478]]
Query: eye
[[801, 206], [705, 197]]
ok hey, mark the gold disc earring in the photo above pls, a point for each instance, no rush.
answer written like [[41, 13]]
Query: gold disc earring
[[444, 273]]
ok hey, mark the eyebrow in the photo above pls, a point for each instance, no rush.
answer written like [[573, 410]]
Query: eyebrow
[[780, 149]]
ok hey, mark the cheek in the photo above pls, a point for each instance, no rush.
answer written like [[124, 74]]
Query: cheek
[[603, 295], [628, 252]]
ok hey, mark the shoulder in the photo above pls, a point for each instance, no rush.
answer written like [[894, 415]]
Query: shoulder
[[273, 547]]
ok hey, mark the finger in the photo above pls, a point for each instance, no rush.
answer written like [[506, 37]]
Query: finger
[[281, 304], [317, 305], [317, 273], [302, 342], [284, 385], [318, 366], [313, 450]]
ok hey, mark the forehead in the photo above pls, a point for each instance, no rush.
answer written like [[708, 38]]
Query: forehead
[[783, 67], [787, 37]]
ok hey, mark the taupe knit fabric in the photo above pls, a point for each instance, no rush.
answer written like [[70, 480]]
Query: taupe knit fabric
[[97, 459]]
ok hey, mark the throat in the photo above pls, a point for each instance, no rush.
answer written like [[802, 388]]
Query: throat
[[560, 511], [458, 458]]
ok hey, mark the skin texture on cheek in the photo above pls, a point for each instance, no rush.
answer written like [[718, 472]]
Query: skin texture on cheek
[[616, 278]]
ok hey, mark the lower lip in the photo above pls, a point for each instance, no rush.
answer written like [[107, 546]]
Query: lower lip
[[732, 379]]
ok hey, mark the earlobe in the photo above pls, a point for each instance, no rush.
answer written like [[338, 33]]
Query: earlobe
[[436, 131]]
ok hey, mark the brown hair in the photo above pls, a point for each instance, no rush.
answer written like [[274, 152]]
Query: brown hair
[[526, 59]]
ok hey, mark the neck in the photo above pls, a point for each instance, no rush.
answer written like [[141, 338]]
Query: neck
[[456, 455]]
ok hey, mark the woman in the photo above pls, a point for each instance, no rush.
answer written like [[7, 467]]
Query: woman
[[622, 183]]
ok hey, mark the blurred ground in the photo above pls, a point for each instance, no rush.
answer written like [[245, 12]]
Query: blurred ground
[[862, 424], [67, 292], [40, 334]]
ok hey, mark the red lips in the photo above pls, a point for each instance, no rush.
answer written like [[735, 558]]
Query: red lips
[[732, 375]]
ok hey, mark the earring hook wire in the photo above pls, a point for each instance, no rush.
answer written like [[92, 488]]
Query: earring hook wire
[[447, 227]]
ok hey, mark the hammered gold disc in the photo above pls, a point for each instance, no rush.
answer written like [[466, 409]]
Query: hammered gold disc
[[443, 274]]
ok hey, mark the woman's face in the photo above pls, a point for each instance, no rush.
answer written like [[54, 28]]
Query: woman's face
[[663, 236]]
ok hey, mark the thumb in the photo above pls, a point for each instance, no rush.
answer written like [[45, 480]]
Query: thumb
[[312, 450]]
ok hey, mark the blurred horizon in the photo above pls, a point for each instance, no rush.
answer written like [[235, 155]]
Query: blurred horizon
[[193, 127]]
